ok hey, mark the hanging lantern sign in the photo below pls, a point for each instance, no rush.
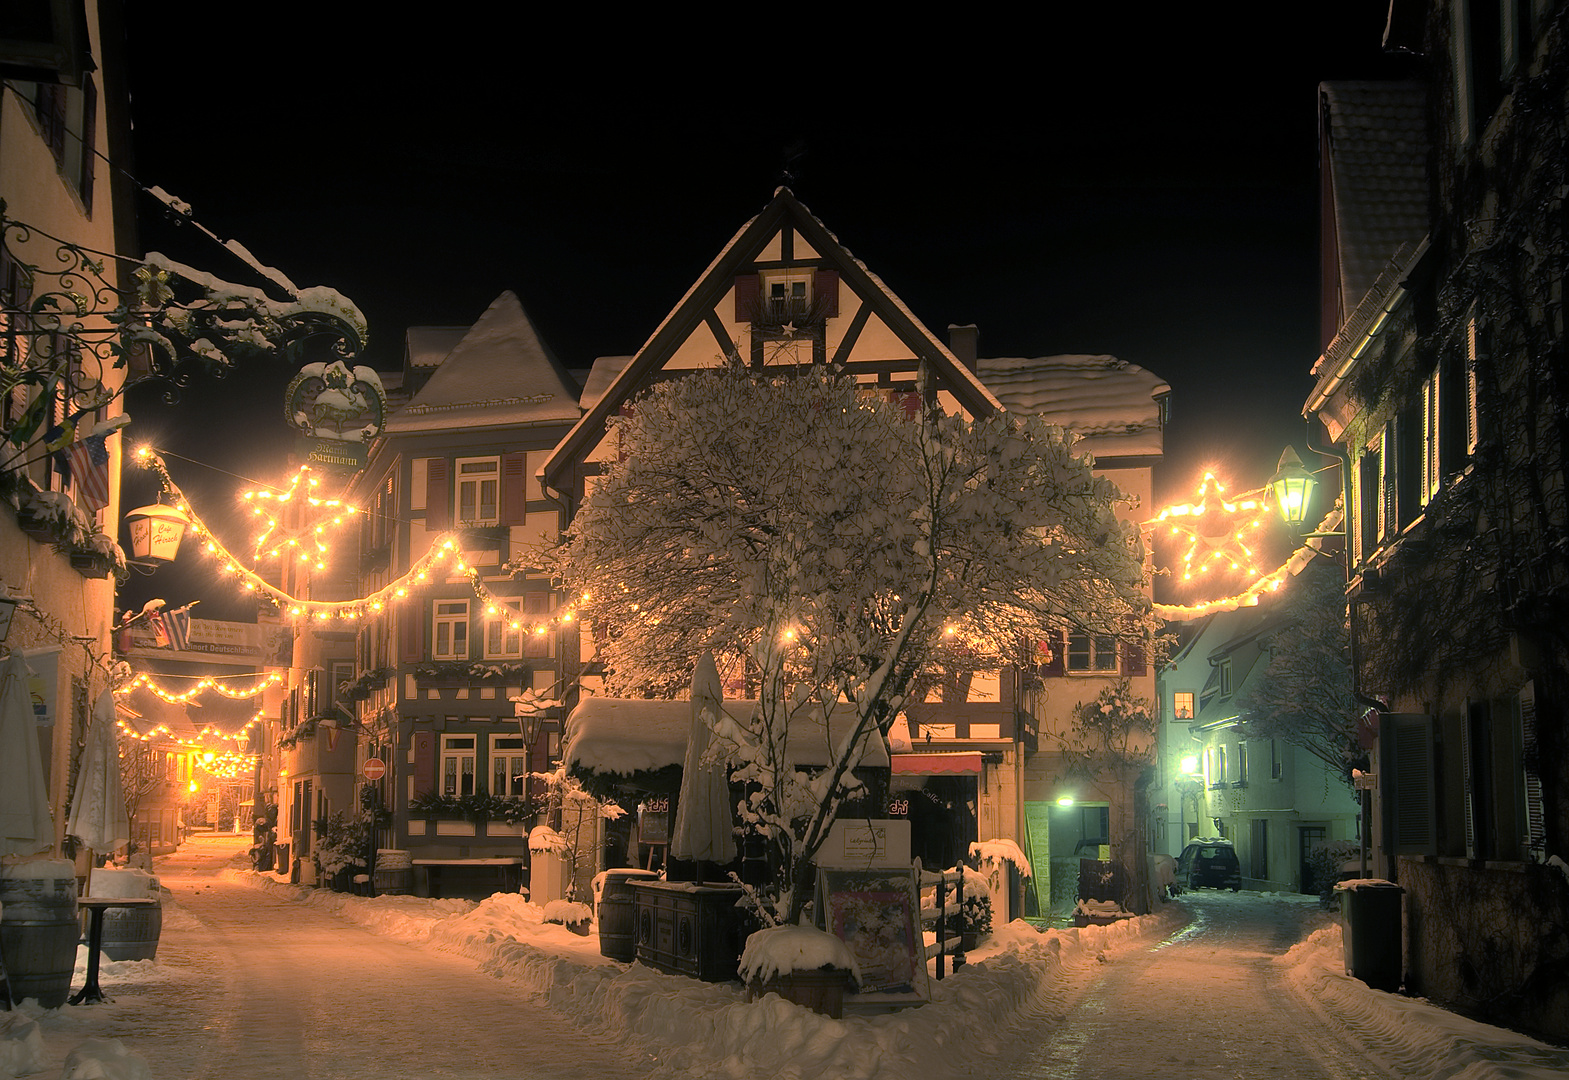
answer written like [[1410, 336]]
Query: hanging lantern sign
[[156, 532]]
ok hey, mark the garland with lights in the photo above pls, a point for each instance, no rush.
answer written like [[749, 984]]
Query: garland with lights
[[207, 682], [1268, 583], [443, 547]]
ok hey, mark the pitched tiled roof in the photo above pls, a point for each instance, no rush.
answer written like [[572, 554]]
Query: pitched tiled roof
[[1377, 162]]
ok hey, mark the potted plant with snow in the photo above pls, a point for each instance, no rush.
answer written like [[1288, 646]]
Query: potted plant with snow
[[801, 964], [571, 914], [974, 917]]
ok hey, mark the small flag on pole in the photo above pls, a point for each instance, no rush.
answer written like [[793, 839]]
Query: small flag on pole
[[89, 461], [160, 628], [177, 625]]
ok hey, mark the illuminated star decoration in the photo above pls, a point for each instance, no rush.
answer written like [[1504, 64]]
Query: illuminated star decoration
[[319, 516], [1216, 529]]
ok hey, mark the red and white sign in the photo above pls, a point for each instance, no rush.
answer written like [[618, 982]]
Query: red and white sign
[[374, 769]]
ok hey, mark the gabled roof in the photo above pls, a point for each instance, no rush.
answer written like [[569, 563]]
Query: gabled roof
[[498, 375], [745, 248], [1376, 148], [1113, 405]]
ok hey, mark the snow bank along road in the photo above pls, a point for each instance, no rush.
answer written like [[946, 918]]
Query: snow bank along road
[[279, 982]]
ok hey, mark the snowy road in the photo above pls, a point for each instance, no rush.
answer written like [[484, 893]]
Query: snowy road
[[1207, 1001], [281, 990]]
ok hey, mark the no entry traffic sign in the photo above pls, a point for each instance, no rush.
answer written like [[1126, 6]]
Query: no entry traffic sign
[[375, 768]]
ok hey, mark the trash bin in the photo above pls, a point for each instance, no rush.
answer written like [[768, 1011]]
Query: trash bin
[[1370, 931]]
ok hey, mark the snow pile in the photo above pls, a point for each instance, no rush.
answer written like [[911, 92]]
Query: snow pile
[[778, 950], [21, 1045], [567, 912], [105, 1059], [1414, 1036]]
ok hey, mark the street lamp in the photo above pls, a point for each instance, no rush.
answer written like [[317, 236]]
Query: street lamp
[[156, 532], [1292, 486]]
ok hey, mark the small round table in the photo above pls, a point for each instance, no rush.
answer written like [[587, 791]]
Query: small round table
[[91, 992]]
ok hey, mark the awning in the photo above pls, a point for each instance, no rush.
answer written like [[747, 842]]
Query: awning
[[954, 764]]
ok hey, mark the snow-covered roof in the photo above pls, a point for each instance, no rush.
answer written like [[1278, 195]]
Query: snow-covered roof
[[629, 735], [601, 376], [428, 346], [1112, 404], [499, 374]]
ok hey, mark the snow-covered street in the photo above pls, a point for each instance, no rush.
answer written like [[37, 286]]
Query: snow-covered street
[[279, 981]]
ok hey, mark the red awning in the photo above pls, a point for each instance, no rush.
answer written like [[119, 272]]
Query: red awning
[[936, 764]]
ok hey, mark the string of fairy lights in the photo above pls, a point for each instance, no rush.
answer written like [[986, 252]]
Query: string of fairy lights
[[1219, 534], [444, 558]]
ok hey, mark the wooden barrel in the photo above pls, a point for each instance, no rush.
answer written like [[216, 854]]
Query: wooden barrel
[[394, 872], [618, 913], [38, 929], [132, 933]]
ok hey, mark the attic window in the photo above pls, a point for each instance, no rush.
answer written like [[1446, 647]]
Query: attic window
[[787, 295]]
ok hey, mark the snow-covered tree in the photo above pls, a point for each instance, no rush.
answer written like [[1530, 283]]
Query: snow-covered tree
[[831, 546], [1304, 696]]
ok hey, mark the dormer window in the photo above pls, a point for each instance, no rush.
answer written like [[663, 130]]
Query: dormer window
[[787, 295]]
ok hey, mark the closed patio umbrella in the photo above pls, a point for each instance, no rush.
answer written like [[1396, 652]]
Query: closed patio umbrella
[[26, 826], [703, 826], [98, 807]]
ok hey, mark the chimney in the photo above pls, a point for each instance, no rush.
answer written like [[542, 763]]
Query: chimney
[[963, 341]]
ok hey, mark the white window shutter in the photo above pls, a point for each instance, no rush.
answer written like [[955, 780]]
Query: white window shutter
[[1530, 763]]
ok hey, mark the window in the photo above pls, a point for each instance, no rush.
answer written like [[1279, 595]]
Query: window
[[1277, 767], [457, 764], [787, 294], [1182, 705], [504, 632], [1092, 654], [1220, 764], [67, 118], [508, 765], [1242, 765], [1258, 853], [479, 491], [450, 639], [1225, 678], [1432, 467], [1369, 475]]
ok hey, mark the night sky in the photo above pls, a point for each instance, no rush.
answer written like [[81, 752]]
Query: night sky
[[1126, 183]]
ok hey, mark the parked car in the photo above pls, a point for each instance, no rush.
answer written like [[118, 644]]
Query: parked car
[[1209, 864]]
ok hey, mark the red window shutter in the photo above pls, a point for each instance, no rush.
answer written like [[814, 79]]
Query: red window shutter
[[536, 609], [748, 291], [412, 632], [825, 292], [1053, 654], [514, 491], [438, 495], [1133, 661], [424, 763]]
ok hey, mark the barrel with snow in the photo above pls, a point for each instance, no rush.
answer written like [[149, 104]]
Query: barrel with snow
[[394, 872], [38, 929], [617, 909], [128, 933]]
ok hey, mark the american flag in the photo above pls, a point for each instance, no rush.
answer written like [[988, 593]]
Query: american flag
[[89, 461]]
